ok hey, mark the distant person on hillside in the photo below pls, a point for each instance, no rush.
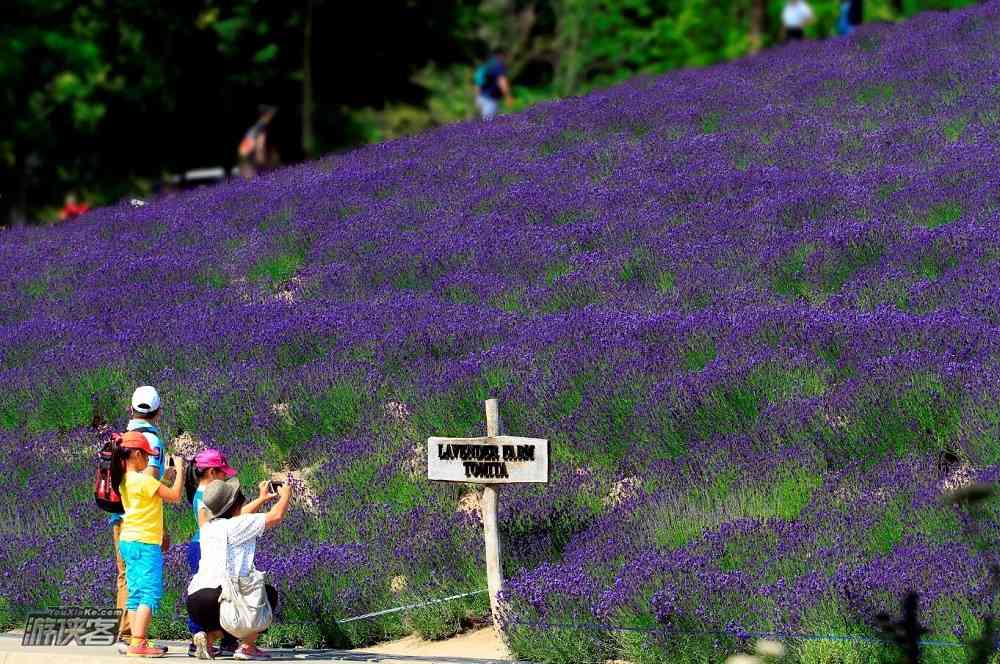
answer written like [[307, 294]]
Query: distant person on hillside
[[851, 12], [255, 154], [794, 18], [228, 543], [71, 208], [491, 84]]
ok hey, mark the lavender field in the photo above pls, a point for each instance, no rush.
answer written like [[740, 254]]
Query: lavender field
[[754, 308]]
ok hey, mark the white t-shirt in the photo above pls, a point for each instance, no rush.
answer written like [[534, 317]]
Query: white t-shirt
[[796, 14], [242, 532]]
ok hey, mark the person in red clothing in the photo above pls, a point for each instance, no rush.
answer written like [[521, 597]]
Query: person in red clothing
[[72, 209]]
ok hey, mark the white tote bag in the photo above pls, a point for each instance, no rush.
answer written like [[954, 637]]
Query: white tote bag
[[243, 605]]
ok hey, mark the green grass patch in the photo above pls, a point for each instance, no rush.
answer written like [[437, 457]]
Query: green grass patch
[[887, 189], [565, 138], [460, 295], [990, 118], [638, 268], [830, 616], [941, 214], [711, 122], [556, 271], [953, 128], [402, 494], [509, 301], [893, 292], [835, 268], [333, 412], [735, 407], [934, 263], [666, 282], [699, 352], [939, 524], [784, 496], [888, 532], [571, 296], [876, 95], [73, 402], [789, 279], [276, 269], [922, 416], [212, 277]]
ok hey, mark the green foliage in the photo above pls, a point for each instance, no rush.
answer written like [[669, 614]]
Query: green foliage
[[639, 268], [888, 532], [556, 645], [276, 269], [783, 497], [281, 635], [920, 416], [941, 214], [70, 403], [333, 412], [876, 95], [211, 277], [460, 295], [953, 128], [699, 352], [938, 524], [831, 617], [444, 619], [665, 281]]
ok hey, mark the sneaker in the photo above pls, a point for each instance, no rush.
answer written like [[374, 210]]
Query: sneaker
[[200, 647], [145, 648], [250, 652], [122, 646], [227, 647]]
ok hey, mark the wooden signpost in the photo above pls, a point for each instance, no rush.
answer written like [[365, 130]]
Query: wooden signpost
[[491, 460]]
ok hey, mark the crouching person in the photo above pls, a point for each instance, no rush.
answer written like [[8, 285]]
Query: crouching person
[[228, 542]]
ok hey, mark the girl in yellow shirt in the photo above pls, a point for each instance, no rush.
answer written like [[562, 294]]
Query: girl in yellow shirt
[[142, 533]]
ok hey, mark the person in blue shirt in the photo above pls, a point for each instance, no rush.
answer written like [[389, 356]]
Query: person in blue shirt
[[491, 85], [144, 416]]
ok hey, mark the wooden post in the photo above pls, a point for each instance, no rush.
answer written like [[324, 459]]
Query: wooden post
[[494, 573], [491, 460]]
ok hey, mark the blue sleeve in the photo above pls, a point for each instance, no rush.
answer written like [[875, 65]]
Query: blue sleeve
[[157, 461]]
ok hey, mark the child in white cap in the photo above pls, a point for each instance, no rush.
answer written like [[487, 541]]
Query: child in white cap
[[144, 416]]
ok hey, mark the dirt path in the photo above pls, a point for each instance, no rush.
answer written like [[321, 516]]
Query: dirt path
[[480, 644]]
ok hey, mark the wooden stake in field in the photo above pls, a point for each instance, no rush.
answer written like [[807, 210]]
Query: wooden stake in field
[[491, 460]]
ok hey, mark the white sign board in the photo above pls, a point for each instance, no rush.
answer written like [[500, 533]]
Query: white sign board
[[488, 460]]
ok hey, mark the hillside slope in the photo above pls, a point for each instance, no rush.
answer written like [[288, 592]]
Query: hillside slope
[[753, 308]]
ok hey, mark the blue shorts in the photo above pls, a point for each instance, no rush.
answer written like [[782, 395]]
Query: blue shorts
[[143, 574]]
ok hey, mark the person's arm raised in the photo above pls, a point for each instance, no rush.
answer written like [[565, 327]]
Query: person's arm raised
[[505, 89], [263, 496], [173, 493], [277, 511]]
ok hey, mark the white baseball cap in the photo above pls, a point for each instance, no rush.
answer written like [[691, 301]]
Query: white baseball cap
[[145, 399]]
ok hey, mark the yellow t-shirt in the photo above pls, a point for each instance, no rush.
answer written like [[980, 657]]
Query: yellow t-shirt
[[143, 518]]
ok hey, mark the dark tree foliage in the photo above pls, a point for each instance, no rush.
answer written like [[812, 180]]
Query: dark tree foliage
[[106, 96]]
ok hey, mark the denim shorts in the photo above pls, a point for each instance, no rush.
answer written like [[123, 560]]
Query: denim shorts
[[143, 574]]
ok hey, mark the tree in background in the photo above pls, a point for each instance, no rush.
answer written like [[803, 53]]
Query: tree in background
[[106, 96]]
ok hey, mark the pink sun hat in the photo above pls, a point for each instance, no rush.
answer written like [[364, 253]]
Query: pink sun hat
[[212, 458]]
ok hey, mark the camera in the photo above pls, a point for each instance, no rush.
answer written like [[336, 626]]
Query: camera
[[272, 486]]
